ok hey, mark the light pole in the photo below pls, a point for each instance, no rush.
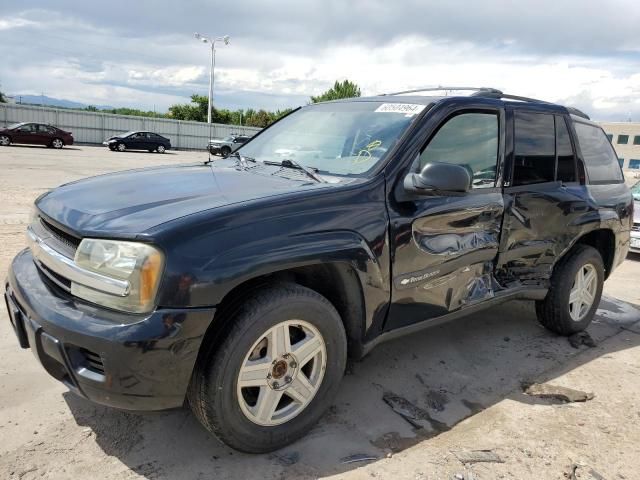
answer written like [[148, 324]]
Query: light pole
[[212, 42]]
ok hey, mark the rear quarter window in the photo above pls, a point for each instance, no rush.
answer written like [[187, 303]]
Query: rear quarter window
[[599, 157]]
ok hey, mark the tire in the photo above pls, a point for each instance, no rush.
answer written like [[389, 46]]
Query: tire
[[223, 407], [556, 312], [160, 149], [121, 147], [225, 152], [112, 148], [57, 143], [5, 140]]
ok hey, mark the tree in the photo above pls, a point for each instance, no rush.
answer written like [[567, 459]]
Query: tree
[[2, 98], [345, 89]]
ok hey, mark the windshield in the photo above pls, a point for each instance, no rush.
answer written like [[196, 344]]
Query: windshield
[[15, 125], [635, 191], [347, 138], [126, 134]]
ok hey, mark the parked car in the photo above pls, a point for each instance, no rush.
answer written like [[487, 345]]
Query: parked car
[[138, 141], [35, 134], [226, 145], [635, 230], [243, 285]]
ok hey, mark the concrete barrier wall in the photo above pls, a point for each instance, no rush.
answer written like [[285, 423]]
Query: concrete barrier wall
[[96, 127]]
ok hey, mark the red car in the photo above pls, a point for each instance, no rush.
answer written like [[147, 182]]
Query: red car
[[35, 134]]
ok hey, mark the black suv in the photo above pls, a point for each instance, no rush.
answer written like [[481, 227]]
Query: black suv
[[243, 285]]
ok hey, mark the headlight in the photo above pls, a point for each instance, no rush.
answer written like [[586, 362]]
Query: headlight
[[137, 263]]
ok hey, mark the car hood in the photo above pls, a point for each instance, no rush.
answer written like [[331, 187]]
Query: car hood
[[128, 203]]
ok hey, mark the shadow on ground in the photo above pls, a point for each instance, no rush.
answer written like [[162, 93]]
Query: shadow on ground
[[449, 372]]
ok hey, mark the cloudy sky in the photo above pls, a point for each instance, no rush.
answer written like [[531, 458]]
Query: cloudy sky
[[142, 53]]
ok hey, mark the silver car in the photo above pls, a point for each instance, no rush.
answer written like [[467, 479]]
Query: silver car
[[227, 145]]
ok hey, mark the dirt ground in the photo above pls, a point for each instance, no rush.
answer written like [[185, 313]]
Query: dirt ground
[[461, 382]]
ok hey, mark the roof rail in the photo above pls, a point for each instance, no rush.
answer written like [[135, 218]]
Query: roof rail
[[577, 112], [440, 87]]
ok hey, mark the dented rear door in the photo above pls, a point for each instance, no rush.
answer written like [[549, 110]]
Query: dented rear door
[[445, 246]]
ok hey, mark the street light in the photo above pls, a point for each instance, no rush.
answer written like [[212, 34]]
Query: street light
[[212, 42]]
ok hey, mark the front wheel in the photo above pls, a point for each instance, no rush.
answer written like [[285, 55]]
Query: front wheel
[[5, 141], [574, 294], [225, 152], [121, 147], [276, 372]]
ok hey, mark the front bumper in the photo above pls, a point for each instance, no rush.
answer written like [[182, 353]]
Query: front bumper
[[116, 359]]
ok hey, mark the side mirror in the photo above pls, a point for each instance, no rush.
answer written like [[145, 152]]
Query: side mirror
[[438, 177]]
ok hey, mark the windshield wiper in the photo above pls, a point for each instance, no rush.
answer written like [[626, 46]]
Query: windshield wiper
[[288, 163]]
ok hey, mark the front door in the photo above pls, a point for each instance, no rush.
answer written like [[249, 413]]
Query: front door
[[445, 246], [25, 134]]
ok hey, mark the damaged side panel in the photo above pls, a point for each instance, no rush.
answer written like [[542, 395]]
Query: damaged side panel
[[444, 257]]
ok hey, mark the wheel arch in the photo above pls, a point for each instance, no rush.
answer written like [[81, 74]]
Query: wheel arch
[[604, 241], [338, 282]]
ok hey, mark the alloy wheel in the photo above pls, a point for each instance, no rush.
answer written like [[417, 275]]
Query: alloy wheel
[[583, 292], [281, 373]]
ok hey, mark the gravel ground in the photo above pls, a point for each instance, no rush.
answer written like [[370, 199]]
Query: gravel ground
[[461, 381]]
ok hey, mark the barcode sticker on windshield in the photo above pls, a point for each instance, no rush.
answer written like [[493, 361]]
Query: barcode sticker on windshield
[[409, 109]]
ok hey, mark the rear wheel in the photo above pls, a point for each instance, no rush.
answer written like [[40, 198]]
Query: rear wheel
[[121, 147], [160, 149], [574, 295], [275, 373], [57, 143], [5, 141]]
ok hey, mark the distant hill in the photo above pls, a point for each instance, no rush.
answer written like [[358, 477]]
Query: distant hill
[[53, 102]]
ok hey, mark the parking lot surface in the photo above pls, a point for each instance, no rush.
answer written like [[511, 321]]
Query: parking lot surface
[[460, 382]]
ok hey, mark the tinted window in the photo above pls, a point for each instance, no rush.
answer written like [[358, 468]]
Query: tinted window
[[535, 149], [623, 139], [636, 140], [470, 140], [634, 164], [566, 162], [599, 156], [29, 127]]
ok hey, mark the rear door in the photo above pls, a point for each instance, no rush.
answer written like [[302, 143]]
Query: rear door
[[543, 197], [45, 134], [444, 247]]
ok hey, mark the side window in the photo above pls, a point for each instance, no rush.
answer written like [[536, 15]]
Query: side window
[[30, 127], [566, 162], [599, 157], [535, 149], [469, 140]]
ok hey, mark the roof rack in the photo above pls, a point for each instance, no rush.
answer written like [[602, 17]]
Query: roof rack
[[440, 87], [487, 92], [577, 112]]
